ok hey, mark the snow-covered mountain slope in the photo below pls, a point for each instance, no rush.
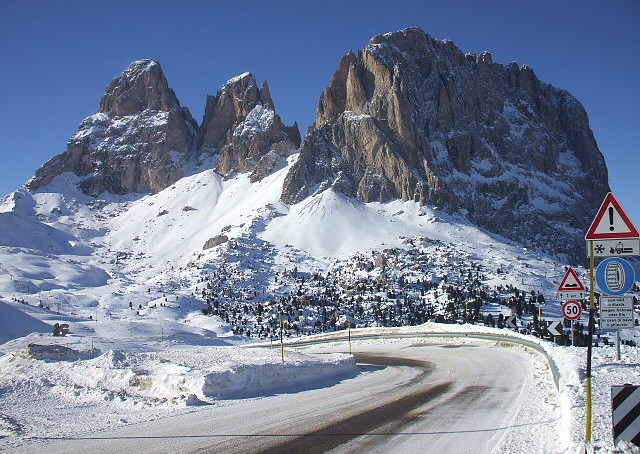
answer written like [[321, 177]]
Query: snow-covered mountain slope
[[92, 254], [159, 289]]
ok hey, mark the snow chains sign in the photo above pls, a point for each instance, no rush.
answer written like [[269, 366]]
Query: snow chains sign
[[625, 406], [615, 276]]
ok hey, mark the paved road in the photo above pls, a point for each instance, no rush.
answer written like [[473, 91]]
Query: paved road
[[409, 398]]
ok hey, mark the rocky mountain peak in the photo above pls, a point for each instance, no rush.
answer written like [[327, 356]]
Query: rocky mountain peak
[[141, 86], [411, 117], [139, 140], [241, 127]]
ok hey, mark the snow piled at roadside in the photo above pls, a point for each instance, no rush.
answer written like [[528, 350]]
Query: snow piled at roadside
[[53, 390]]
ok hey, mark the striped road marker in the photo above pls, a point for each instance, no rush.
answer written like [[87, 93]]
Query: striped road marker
[[625, 402]]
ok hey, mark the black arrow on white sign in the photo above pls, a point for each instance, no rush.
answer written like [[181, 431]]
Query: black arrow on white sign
[[511, 322]]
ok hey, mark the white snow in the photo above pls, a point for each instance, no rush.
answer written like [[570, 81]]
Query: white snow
[[126, 273], [259, 120], [238, 77]]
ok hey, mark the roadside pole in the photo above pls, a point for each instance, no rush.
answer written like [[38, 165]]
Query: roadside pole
[[614, 235], [281, 338], [592, 309], [540, 319]]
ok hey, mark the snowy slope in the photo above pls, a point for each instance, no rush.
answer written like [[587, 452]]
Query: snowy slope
[[131, 276], [113, 248]]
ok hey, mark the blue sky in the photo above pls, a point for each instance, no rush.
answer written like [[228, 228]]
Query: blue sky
[[58, 57]]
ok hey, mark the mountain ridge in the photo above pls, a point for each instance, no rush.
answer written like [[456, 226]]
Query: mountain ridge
[[407, 117]]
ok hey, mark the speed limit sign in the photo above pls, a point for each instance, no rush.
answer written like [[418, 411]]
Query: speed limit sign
[[572, 310]]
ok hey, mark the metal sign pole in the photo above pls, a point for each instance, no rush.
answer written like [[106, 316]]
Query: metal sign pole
[[572, 333], [618, 345], [281, 337], [592, 308]]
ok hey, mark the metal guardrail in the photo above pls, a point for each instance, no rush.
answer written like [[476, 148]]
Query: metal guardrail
[[342, 336]]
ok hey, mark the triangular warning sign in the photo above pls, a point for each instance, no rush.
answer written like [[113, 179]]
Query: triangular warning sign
[[571, 282], [611, 222]]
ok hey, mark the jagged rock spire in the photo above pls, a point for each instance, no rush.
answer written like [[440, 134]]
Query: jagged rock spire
[[138, 141], [141, 86], [241, 127]]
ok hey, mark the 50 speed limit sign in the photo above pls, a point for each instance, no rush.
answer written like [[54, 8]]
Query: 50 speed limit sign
[[572, 310]]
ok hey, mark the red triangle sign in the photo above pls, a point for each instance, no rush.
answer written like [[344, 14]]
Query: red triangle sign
[[571, 282], [611, 222]]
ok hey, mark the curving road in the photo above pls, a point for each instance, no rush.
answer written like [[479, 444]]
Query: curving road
[[422, 398]]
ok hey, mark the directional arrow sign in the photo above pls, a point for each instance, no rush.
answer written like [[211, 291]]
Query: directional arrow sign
[[510, 322], [555, 328], [611, 222]]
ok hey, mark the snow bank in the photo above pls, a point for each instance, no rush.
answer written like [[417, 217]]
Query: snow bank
[[117, 387]]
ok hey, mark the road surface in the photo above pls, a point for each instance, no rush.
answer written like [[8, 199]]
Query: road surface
[[409, 398]]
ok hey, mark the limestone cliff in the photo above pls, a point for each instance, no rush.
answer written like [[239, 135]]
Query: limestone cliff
[[138, 141], [414, 118], [241, 127]]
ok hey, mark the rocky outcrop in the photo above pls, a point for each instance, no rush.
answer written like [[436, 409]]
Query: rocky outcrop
[[414, 118], [139, 140], [241, 127]]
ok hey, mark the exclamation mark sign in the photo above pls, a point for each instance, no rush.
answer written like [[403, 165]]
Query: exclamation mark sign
[[611, 227]]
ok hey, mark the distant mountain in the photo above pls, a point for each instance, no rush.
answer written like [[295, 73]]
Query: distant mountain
[[408, 117], [139, 140], [432, 186], [142, 141], [240, 126], [412, 117]]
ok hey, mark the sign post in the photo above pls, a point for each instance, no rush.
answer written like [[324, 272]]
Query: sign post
[[572, 310], [281, 337], [615, 235]]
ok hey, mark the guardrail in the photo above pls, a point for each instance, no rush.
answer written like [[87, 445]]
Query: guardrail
[[343, 336]]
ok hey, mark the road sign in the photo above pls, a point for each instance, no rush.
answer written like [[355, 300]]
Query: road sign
[[616, 312], [615, 247], [615, 276], [625, 412], [566, 296], [611, 222], [572, 310], [571, 287], [555, 328], [571, 282], [510, 322]]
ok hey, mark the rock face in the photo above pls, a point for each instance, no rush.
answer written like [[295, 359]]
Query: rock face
[[412, 117], [139, 140], [241, 126], [407, 117]]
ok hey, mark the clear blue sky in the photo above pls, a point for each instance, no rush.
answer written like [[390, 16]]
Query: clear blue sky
[[57, 57]]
